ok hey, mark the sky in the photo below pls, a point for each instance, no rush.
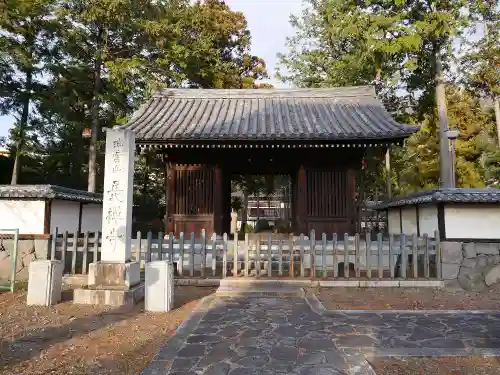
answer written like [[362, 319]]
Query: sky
[[268, 25]]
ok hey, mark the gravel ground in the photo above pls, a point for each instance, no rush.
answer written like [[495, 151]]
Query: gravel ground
[[407, 298], [437, 366], [76, 339]]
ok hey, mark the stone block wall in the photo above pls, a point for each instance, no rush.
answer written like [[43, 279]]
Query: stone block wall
[[29, 248], [475, 265]]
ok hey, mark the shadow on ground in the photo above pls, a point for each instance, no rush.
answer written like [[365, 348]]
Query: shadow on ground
[[37, 337]]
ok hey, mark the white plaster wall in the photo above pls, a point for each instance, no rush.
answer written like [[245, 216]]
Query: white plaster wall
[[409, 219], [393, 221], [26, 215], [472, 221], [428, 219], [91, 217], [64, 216]]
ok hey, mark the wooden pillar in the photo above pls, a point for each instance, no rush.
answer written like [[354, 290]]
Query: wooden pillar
[[218, 202], [351, 206], [170, 196], [361, 198], [388, 172], [294, 202], [226, 200], [302, 200]]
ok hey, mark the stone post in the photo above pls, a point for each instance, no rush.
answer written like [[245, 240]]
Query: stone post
[[113, 279], [159, 293], [234, 224], [44, 282]]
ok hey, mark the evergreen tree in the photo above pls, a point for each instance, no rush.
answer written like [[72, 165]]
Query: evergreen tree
[[419, 160], [481, 64], [27, 29]]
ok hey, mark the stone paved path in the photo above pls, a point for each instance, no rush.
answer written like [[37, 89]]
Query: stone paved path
[[282, 335]]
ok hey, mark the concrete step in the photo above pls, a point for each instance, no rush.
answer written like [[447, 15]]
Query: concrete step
[[247, 282], [261, 291]]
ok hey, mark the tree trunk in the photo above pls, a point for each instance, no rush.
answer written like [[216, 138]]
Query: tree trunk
[[378, 72], [94, 137], [444, 150], [496, 101], [378, 80], [22, 128]]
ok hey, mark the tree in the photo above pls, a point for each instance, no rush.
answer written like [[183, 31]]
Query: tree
[[481, 63], [439, 22], [397, 44], [103, 57], [27, 28], [419, 161], [100, 60], [342, 43], [216, 41], [117, 51]]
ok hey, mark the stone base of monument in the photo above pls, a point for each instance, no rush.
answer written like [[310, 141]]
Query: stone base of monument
[[114, 284]]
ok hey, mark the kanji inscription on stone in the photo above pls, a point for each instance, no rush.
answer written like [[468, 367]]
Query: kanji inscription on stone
[[117, 200]]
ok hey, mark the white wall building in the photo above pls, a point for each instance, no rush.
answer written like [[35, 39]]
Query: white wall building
[[40, 209], [459, 214]]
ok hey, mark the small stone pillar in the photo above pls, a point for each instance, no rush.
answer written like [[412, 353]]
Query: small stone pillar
[[45, 282], [234, 223], [159, 293]]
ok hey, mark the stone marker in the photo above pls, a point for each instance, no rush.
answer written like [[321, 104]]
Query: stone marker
[[115, 279], [234, 222], [44, 282], [159, 293], [117, 198]]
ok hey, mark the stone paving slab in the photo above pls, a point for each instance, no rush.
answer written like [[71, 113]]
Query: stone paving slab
[[283, 335]]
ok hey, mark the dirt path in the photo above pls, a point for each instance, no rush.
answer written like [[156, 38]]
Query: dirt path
[[407, 299], [71, 339]]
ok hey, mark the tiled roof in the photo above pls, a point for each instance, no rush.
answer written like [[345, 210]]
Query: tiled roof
[[48, 192], [454, 195], [337, 114]]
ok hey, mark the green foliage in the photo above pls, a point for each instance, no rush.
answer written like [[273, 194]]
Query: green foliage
[[27, 29], [482, 62], [419, 166], [236, 204], [248, 228], [91, 63], [492, 168], [396, 44], [67, 66]]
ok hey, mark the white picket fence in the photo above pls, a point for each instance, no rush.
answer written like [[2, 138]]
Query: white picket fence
[[269, 255]]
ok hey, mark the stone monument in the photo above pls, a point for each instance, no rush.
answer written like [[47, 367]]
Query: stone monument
[[115, 278]]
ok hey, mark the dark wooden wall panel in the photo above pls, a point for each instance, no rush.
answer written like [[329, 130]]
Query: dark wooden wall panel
[[194, 190], [327, 193], [193, 199], [327, 201]]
